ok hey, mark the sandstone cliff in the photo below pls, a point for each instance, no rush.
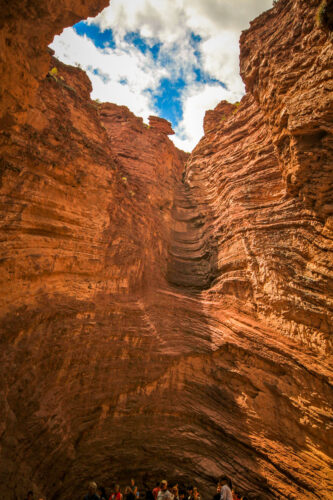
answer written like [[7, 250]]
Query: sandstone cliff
[[161, 321]]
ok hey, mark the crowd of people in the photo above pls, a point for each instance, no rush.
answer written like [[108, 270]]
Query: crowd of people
[[224, 491]]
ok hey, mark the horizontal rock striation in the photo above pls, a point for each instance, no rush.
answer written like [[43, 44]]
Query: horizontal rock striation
[[24, 60], [290, 76], [274, 254], [161, 125], [166, 315]]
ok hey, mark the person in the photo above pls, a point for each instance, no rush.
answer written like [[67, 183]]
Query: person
[[174, 491], [30, 495], [101, 492], [190, 493], [225, 493], [129, 495], [92, 492], [117, 494], [196, 494], [149, 494], [235, 495], [181, 494], [134, 488], [164, 493], [156, 490]]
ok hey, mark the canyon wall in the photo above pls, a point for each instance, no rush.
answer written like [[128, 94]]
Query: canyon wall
[[165, 314]]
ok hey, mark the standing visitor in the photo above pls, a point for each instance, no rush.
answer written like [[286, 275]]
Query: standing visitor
[[134, 488], [164, 493], [129, 495], [196, 494], [225, 490], [156, 490], [190, 493], [92, 489], [174, 491], [218, 492], [149, 494], [117, 494], [102, 493]]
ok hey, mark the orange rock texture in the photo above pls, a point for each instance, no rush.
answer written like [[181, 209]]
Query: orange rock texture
[[165, 314]]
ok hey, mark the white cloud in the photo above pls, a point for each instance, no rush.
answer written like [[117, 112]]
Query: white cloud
[[196, 102], [221, 59], [124, 64], [170, 23]]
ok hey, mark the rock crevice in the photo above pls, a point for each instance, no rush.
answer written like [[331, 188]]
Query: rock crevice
[[147, 293]]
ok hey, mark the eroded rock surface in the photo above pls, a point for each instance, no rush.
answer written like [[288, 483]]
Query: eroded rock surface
[[290, 75], [157, 321], [24, 60]]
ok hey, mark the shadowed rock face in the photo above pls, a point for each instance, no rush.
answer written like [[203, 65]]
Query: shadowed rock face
[[161, 321]]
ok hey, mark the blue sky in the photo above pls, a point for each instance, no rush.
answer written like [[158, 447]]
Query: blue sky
[[171, 58], [167, 97]]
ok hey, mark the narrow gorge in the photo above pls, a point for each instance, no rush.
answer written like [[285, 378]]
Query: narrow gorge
[[166, 314]]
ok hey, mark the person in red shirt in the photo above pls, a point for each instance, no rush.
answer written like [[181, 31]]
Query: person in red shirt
[[117, 494], [156, 490]]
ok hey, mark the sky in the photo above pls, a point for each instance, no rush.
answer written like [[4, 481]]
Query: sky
[[169, 58]]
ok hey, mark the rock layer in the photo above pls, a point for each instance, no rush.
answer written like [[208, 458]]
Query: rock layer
[[290, 76], [160, 322]]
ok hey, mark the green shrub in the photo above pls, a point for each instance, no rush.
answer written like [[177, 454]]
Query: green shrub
[[236, 106], [324, 16], [53, 73]]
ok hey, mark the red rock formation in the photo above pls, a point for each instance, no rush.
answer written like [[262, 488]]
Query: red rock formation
[[290, 77], [264, 260], [214, 117], [150, 325], [24, 60], [163, 126]]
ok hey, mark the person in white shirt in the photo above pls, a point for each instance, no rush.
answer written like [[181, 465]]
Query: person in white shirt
[[225, 490], [164, 493]]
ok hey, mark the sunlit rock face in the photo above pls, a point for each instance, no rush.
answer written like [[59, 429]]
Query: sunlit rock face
[[165, 315], [24, 60], [290, 76]]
